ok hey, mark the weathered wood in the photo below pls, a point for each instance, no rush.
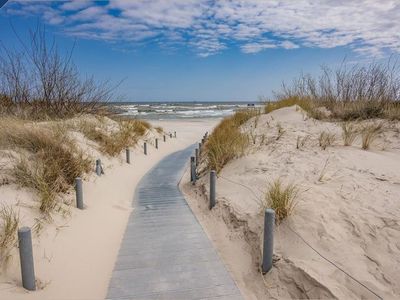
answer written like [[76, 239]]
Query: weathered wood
[[165, 253]]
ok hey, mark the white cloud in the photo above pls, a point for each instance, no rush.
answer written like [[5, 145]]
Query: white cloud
[[369, 27]]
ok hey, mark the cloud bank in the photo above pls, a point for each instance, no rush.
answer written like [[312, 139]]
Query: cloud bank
[[369, 27]]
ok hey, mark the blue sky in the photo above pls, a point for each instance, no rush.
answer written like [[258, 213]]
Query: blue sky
[[202, 50]]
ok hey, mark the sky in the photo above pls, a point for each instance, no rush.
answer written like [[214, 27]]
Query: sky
[[203, 50]]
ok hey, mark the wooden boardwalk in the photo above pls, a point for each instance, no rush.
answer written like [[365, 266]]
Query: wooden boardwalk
[[165, 253]]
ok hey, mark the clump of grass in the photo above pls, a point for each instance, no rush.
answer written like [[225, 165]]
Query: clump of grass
[[9, 220], [369, 133], [227, 141], [326, 139], [349, 133], [48, 159], [281, 198], [112, 143]]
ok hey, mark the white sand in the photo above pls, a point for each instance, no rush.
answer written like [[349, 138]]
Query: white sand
[[75, 255], [348, 209]]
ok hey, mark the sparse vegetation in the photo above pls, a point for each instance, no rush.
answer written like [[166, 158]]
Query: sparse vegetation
[[281, 198], [349, 133], [326, 139], [227, 141], [45, 158], [9, 220], [112, 143], [369, 133]]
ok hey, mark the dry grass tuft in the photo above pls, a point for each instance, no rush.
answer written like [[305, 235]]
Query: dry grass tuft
[[227, 141], [159, 130], [369, 133], [282, 199], [9, 220], [326, 139], [48, 160], [349, 133]]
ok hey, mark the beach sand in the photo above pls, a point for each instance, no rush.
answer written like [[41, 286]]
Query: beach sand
[[74, 255], [347, 209]]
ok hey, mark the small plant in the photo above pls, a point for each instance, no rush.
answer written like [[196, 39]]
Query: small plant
[[326, 139], [301, 142], [282, 199], [369, 133], [9, 220], [281, 131], [349, 133]]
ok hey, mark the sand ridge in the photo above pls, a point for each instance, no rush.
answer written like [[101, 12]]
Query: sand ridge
[[347, 209]]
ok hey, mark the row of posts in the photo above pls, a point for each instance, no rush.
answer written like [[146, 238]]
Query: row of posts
[[269, 214], [25, 234]]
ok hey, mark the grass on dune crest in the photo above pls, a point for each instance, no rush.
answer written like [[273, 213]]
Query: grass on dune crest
[[127, 134], [349, 92], [227, 141], [281, 198], [45, 159]]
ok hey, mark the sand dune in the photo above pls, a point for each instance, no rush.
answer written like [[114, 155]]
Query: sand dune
[[75, 254], [347, 210]]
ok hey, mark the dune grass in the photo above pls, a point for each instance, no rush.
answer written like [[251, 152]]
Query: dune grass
[[227, 141], [112, 143], [349, 133], [45, 159], [326, 139], [9, 220], [369, 133], [281, 198]]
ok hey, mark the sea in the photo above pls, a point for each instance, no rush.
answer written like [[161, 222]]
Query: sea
[[179, 110]]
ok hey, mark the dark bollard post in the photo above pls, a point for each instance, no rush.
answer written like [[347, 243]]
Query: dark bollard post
[[268, 249], [192, 170], [170, 135], [156, 143], [128, 155], [79, 192], [98, 167], [212, 188], [174, 134], [145, 148], [26, 258], [196, 151], [199, 149], [164, 138]]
